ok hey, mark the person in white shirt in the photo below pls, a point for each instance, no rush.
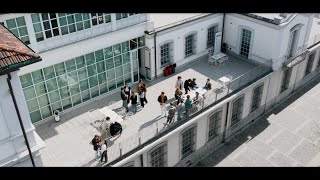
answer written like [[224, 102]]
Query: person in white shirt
[[179, 83], [106, 125], [104, 151]]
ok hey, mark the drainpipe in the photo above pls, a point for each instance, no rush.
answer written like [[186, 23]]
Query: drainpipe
[[225, 124], [155, 53], [19, 117], [224, 14], [141, 159]]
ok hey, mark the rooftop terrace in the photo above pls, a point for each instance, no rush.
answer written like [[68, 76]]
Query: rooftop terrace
[[67, 142]]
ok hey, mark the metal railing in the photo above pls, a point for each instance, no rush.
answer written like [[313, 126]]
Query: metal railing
[[147, 135]]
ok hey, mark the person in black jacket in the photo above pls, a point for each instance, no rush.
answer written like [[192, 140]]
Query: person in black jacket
[[96, 145], [187, 85], [134, 100], [162, 99], [124, 98], [127, 90]]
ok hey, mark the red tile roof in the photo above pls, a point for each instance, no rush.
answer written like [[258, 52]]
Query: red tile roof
[[13, 53]]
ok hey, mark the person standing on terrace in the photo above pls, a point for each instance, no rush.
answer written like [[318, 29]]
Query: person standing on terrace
[[179, 83], [127, 90], [162, 99]]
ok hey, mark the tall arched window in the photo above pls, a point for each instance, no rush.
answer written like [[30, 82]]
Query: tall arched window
[[256, 97], [157, 157], [188, 141], [237, 108], [293, 41], [214, 124]]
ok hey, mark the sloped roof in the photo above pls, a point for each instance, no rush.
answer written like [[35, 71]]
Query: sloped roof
[[13, 52]]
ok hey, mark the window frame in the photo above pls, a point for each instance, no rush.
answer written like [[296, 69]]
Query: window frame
[[256, 97], [170, 53], [309, 65], [193, 143], [285, 79], [215, 27], [17, 27], [293, 43], [239, 113], [164, 155], [243, 29], [193, 45], [216, 130]]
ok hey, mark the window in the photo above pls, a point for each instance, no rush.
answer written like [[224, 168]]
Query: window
[[256, 97], [96, 18], [129, 164], [190, 46], [309, 64], [211, 36], [214, 125], [18, 27], [166, 54], [122, 15], [286, 79], [158, 156], [69, 83], [293, 42], [53, 24], [188, 142], [237, 108], [245, 43]]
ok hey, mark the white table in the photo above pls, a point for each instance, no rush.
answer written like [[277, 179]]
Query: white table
[[192, 93], [224, 80], [220, 58], [106, 111]]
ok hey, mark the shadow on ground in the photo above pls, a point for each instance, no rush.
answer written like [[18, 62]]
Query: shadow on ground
[[252, 131]]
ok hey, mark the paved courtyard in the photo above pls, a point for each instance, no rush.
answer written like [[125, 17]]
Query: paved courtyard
[[288, 136], [67, 141]]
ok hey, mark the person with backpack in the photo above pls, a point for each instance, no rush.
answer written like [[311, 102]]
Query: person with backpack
[[171, 113], [188, 105], [96, 145], [124, 98], [104, 152], [162, 99]]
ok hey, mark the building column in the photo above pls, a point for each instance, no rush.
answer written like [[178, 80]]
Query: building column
[[113, 22], [31, 33]]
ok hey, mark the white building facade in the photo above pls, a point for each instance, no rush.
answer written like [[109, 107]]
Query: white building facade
[[86, 55]]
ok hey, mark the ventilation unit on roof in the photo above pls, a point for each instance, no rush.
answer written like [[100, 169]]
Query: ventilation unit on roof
[[277, 19]]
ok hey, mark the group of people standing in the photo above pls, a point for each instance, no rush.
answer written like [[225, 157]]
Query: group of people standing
[[181, 105], [128, 95], [100, 146]]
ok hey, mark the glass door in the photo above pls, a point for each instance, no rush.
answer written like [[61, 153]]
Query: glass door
[[245, 43], [134, 65]]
